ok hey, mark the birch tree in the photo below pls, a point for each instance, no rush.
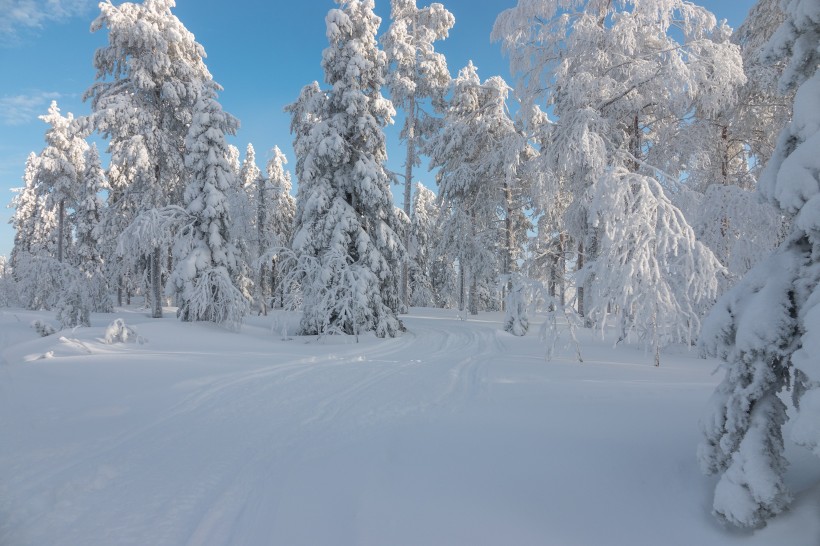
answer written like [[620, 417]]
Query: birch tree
[[621, 79]]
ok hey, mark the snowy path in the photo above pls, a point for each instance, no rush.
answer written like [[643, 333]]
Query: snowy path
[[455, 433]]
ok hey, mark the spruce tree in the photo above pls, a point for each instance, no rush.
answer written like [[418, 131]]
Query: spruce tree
[[205, 260], [766, 329], [345, 240]]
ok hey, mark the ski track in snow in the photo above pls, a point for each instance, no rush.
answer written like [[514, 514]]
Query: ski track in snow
[[306, 443], [336, 397]]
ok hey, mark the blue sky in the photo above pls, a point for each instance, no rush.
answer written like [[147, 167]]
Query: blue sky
[[261, 52]]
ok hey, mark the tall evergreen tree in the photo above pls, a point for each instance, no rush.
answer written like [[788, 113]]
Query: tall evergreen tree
[[61, 168], [206, 271], [766, 329], [478, 154], [345, 238], [417, 74], [276, 221], [149, 78], [90, 242]]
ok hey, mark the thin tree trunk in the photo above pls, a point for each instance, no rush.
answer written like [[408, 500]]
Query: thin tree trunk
[[261, 220], [635, 143], [562, 268], [156, 295], [274, 284], [119, 291], [724, 172], [408, 188], [508, 244], [156, 256], [60, 230], [580, 289], [461, 285]]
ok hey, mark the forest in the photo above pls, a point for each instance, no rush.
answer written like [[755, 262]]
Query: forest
[[649, 172]]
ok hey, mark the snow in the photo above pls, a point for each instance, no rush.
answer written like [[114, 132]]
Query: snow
[[454, 433]]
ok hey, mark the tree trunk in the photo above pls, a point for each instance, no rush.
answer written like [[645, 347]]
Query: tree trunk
[[461, 285], [508, 244], [724, 173], [635, 143], [562, 268], [156, 256], [473, 303], [274, 284], [261, 220], [408, 188], [579, 288], [156, 293], [60, 230]]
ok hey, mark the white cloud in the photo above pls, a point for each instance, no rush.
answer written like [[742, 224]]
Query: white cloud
[[20, 15], [23, 109]]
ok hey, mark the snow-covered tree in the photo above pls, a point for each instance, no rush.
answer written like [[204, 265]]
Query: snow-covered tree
[[60, 170], [243, 205], [27, 213], [8, 286], [276, 212], [622, 78], [726, 150], [423, 239], [650, 268], [478, 153], [345, 240], [88, 231], [149, 77], [766, 329], [206, 271], [416, 74]]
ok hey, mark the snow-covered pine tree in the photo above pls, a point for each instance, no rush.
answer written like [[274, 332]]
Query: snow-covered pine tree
[[419, 250], [88, 232], [26, 213], [206, 271], [8, 287], [766, 329], [345, 242], [417, 74], [276, 219], [478, 153], [60, 170], [148, 80], [34, 227], [245, 205]]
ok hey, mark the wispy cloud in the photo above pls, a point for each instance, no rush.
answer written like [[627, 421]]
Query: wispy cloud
[[23, 109], [30, 15]]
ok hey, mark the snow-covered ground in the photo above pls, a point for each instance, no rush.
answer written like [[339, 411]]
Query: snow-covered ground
[[454, 434]]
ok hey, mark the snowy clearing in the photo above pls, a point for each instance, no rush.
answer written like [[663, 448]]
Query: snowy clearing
[[454, 433]]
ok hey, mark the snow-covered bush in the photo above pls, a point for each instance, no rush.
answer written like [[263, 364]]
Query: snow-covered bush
[[119, 332], [516, 317], [43, 328]]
